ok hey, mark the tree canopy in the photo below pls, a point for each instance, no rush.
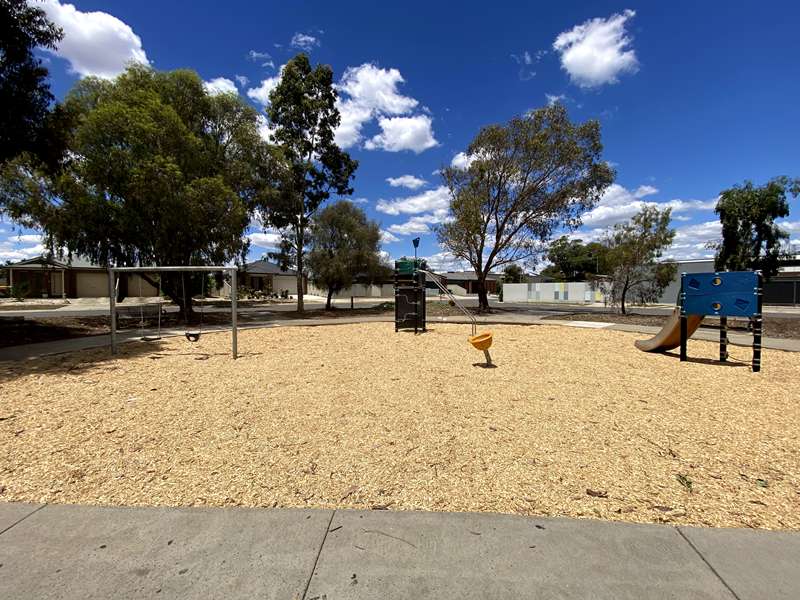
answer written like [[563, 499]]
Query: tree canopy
[[575, 261], [303, 116], [344, 244], [513, 273], [26, 118], [750, 237], [160, 172], [633, 250], [537, 173]]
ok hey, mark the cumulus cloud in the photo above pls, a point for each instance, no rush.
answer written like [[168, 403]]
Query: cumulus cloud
[[437, 199], [692, 241], [21, 247], [265, 129], [242, 80], [387, 237], [620, 204], [462, 161], [445, 261], [418, 224], [369, 92], [645, 190], [553, 98], [262, 58], [267, 239], [95, 43], [220, 85], [261, 92], [404, 133], [304, 41], [598, 51], [407, 181]]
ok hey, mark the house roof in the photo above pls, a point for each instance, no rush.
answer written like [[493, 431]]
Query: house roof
[[39, 262], [265, 267]]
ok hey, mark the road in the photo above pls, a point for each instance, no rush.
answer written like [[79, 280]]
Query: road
[[533, 309]]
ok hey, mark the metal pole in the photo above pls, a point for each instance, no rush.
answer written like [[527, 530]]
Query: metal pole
[[234, 336], [684, 323], [112, 303], [63, 289], [757, 322], [723, 339]]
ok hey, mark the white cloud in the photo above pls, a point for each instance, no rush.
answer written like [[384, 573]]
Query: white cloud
[[445, 261], [95, 43], [242, 80], [262, 58], [407, 181], [437, 199], [387, 237], [376, 88], [220, 85], [261, 93], [645, 190], [598, 51], [553, 98], [462, 161], [265, 130], [369, 92], [404, 133], [268, 239], [620, 204], [357, 200], [353, 118], [416, 224], [691, 241], [305, 42], [27, 238], [14, 248]]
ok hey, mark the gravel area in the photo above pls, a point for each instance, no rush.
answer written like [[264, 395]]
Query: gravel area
[[774, 326], [572, 422]]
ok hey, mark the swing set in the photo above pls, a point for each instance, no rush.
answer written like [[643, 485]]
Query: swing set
[[192, 335]]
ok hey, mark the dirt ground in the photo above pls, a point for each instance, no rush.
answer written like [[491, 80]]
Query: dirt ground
[[778, 327], [572, 422]]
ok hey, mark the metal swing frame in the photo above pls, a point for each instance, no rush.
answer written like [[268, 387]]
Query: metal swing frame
[[112, 293]]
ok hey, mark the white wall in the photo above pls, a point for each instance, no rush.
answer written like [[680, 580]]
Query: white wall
[[358, 290], [551, 292]]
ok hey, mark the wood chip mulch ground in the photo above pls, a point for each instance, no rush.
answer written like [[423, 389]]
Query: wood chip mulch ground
[[572, 422], [773, 326]]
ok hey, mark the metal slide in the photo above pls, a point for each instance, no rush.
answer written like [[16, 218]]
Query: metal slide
[[670, 335]]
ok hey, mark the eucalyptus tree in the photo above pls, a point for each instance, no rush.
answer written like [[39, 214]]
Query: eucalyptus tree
[[525, 179], [303, 118]]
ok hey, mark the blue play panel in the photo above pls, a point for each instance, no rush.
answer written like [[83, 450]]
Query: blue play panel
[[728, 294]]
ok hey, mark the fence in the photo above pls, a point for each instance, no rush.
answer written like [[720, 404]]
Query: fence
[[572, 292]]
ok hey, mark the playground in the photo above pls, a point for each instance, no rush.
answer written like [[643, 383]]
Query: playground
[[572, 422]]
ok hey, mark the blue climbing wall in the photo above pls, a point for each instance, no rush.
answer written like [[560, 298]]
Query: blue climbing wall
[[729, 294]]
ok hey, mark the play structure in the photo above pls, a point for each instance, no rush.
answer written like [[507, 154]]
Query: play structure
[[409, 294], [726, 294], [410, 276], [192, 335]]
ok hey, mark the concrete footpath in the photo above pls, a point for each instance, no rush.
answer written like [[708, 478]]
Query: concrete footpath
[[83, 552]]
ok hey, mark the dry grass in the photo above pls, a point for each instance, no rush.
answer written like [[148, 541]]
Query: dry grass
[[573, 422]]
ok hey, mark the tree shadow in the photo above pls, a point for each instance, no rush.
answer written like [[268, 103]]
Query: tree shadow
[[709, 361], [76, 362]]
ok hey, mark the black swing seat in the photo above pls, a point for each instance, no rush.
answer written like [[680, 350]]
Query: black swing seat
[[151, 338], [193, 336]]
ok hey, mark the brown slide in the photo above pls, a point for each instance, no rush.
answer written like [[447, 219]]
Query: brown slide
[[670, 335]]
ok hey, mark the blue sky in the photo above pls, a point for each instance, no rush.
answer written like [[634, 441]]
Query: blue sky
[[692, 97]]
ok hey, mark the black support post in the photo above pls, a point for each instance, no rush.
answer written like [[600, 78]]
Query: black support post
[[757, 325], [684, 322], [723, 339]]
